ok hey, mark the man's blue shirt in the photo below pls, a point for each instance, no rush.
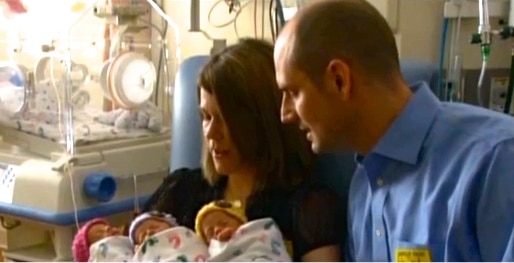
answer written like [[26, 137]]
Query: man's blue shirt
[[439, 186]]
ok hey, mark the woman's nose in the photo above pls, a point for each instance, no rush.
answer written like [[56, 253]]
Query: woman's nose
[[213, 131]]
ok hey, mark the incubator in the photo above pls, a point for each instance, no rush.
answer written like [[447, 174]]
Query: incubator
[[84, 119]]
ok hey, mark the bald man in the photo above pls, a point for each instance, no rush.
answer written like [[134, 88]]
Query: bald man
[[434, 180]]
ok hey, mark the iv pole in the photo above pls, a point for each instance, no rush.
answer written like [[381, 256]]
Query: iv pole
[[217, 44]]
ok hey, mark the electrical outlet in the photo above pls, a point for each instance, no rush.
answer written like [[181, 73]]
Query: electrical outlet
[[469, 9]]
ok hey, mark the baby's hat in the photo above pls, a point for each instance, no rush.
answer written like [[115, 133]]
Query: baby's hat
[[144, 216], [232, 208], [80, 246]]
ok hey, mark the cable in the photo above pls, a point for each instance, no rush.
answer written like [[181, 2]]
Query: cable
[[280, 14], [232, 21], [510, 88], [211, 10], [271, 22], [263, 18], [137, 210], [457, 62], [57, 94], [235, 24], [68, 170], [173, 25], [480, 82], [442, 47], [255, 18], [162, 34], [239, 13], [277, 22], [451, 79], [449, 68]]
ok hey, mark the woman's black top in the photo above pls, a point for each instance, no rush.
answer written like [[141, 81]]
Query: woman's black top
[[307, 214]]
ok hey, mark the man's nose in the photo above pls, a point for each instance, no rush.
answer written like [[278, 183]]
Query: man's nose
[[287, 111]]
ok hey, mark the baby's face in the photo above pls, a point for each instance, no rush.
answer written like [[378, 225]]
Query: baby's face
[[100, 231], [149, 227], [219, 225]]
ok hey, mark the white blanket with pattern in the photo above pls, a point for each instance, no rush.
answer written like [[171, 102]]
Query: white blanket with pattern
[[258, 240]]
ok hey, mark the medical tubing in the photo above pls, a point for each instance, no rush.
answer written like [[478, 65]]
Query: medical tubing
[[458, 89], [456, 67], [280, 13], [486, 49], [442, 47], [483, 15], [510, 89], [173, 25]]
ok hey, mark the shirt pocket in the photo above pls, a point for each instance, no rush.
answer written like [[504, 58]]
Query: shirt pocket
[[405, 251]]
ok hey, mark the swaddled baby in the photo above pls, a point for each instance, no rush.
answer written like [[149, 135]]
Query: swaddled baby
[[117, 243], [222, 235]]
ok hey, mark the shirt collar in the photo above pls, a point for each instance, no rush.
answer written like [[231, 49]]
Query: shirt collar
[[404, 138]]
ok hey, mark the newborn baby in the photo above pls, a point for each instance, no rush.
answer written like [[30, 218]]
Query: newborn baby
[[89, 234], [115, 241], [222, 235]]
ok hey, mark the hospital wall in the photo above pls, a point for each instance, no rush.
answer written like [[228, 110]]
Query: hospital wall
[[417, 26], [418, 30]]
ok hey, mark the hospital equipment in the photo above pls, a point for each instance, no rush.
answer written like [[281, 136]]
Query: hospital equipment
[[496, 82], [63, 159], [217, 44], [484, 38]]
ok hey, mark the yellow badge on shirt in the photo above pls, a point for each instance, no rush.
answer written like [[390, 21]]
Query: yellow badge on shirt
[[413, 255]]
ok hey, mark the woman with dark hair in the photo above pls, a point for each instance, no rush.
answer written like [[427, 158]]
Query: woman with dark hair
[[251, 158]]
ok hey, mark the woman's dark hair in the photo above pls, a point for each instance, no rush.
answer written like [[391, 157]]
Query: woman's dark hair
[[242, 79]]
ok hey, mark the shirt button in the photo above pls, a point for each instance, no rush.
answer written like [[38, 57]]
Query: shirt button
[[380, 182], [377, 232]]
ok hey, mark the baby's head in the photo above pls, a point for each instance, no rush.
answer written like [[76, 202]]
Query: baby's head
[[218, 220], [90, 233], [148, 224]]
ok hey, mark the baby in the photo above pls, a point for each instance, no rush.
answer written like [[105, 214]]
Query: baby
[[100, 236], [89, 234], [222, 234], [219, 220]]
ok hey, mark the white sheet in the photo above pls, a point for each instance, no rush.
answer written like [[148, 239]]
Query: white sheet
[[42, 119], [85, 127]]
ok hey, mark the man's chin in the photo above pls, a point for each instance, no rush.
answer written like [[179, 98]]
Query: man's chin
[[316, 148], [320, 148]]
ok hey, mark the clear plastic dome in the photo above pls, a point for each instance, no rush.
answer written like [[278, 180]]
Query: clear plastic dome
[[101, 72]]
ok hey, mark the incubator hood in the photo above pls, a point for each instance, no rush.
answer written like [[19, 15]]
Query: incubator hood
[[84, 117], [105, 76]]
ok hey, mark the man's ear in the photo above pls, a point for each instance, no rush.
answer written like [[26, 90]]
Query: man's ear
[[338, 78]]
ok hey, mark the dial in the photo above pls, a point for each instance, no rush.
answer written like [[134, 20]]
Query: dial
[[138, 81], [132, 79], [13, 89]]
